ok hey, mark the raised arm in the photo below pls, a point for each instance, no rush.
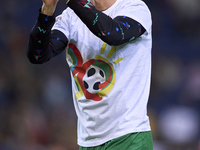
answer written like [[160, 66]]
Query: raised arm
[[43, 43], [116, 31]]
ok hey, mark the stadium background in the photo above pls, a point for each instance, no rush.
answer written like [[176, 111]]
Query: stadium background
[[36, 110]]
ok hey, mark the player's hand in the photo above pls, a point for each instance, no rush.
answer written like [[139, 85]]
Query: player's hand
[[49, 6]]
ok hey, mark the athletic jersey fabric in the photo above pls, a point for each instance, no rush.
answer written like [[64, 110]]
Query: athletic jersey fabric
[[110, 84]]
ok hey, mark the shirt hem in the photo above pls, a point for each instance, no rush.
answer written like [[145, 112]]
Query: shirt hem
[[100, 142]]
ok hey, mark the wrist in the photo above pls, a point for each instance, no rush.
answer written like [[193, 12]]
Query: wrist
[[48, 10]]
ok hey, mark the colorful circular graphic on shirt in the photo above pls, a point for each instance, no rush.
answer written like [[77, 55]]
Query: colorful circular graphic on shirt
[[94, 78]]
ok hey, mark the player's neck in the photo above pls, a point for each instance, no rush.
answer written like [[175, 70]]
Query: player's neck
[[102, 4]]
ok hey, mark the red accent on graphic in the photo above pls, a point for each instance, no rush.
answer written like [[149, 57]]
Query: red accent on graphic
[[102, 85], [79, 59]]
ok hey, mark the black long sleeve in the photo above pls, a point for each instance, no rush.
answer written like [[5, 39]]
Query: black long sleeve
[[43, 43], [115, 31]]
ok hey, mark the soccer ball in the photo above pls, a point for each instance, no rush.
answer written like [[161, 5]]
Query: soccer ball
[[93, 77]]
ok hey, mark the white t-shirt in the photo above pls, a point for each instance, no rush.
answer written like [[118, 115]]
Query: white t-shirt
[[110, 83]]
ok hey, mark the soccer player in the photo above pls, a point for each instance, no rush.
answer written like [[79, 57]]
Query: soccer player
[[108, 49]]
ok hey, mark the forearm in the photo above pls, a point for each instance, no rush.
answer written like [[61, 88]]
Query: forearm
[[112, 31], [43, 43], [38, 51]]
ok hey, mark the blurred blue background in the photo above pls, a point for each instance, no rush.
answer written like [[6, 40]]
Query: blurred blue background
[[36, 109]]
